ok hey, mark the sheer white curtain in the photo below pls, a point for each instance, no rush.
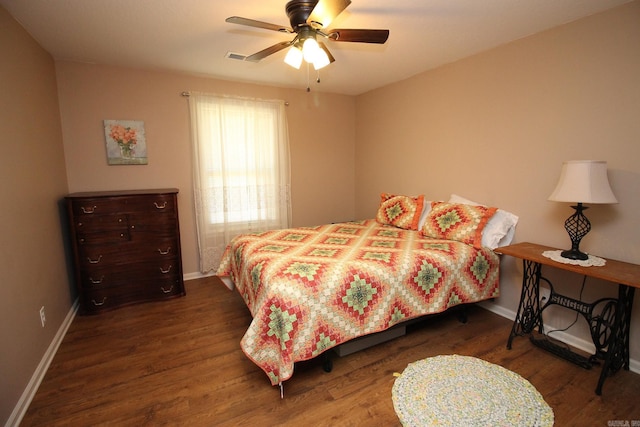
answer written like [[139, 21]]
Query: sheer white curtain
[[241, 170]]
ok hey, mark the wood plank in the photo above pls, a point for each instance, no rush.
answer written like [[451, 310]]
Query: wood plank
[[617, 272], [179, 362]]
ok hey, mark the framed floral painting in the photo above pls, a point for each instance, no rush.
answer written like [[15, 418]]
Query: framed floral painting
[[126, 143]]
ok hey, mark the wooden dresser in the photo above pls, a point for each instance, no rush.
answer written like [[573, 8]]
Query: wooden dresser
[[126, 246]]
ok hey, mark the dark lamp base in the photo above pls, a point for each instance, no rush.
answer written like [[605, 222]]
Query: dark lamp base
[[577, 225], [574, 254]]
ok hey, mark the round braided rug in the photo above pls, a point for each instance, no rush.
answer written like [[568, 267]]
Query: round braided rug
[[466, 391]]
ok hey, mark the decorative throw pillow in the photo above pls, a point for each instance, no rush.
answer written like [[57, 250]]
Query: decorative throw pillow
[[400, 211], [456, 221], [500, 229]]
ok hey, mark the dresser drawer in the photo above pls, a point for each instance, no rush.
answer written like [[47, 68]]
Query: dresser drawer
[[140, 233], [96, 206], [127, 252], [158, 203], [97, 300], [128, 271], [103, 237], [151, 231], [95, 222]]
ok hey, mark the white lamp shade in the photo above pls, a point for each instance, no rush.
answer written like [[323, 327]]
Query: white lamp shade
[[583, 181]]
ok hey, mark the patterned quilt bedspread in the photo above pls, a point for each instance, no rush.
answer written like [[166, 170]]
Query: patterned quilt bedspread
[[312, 288]]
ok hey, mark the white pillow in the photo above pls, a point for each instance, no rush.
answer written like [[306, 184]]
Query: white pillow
[[426, 208], [499, 230]]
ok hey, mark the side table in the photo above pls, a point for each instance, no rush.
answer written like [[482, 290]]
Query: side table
[[609, 318]]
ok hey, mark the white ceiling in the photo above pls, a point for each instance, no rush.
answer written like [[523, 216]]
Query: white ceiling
[[192, 35]]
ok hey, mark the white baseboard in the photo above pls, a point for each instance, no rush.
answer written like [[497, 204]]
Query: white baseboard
[[573, 341], [196, 275], [32, 387]]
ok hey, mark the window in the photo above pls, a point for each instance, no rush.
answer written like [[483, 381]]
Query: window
[[241, 170]]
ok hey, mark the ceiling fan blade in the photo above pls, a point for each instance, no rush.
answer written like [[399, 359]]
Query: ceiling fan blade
[[325, 11], [258, 24], [256, 57], [326, 50], [359, 36]]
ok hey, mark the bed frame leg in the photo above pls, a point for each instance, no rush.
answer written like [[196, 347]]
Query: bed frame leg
[[463, 315], [327, 363]]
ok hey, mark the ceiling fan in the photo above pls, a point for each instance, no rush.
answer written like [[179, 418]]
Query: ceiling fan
[[309, 20]]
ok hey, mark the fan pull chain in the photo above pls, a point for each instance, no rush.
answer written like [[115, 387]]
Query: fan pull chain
[[309, 77]]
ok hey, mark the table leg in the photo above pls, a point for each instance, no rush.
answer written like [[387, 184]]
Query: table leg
[[618, 349], [528, 315]]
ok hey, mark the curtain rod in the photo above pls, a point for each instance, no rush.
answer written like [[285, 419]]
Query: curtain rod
[[187, 94]]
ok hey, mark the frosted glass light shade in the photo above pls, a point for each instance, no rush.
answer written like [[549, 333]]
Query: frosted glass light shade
[[321, 60], [583, 181], [294, 57], [310, 50]]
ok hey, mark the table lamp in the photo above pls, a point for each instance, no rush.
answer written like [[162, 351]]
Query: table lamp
[[581, 181]]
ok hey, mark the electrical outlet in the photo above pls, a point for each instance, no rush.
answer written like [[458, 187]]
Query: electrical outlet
[[43, 318]]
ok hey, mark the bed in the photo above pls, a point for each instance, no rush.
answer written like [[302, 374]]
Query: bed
[[310, 289]]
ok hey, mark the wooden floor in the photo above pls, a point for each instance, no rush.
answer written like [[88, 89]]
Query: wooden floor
[[179, 362]]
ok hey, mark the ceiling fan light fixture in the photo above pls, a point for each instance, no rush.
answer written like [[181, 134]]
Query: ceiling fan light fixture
[[294, 57], [310, 19]]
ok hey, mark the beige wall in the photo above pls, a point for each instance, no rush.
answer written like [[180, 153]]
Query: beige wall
[[32, 182], [321, 131], [496, 128]]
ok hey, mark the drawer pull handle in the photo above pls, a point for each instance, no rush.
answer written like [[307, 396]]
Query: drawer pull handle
[[98, 304], [164, 252], [96, 282], [163, 271], [88, 210], [166, 291], [94, 261], [162, 206]]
